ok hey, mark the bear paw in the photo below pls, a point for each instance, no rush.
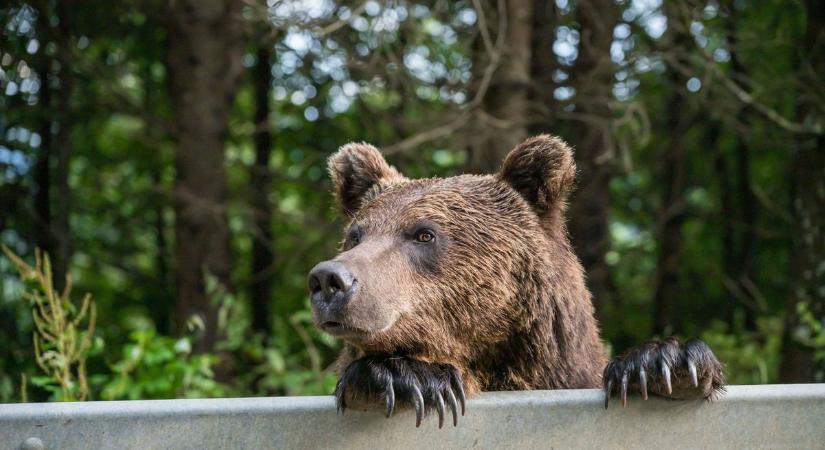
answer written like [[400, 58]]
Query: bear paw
[[666, 368], [401, 380]]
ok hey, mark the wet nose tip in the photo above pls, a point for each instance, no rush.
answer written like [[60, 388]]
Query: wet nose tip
[[328, 279]]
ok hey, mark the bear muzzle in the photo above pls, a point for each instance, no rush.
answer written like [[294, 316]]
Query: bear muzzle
[[331, 285]]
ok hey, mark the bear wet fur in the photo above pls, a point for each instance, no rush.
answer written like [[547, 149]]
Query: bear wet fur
[[452, 286]]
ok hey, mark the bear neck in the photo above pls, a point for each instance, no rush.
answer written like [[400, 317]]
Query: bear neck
[[559, 345]]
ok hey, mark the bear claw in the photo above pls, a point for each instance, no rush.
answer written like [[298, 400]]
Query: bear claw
[[692, 370], [666, 378], [419, 405], [402, 380], [667, 368], [390, 393]]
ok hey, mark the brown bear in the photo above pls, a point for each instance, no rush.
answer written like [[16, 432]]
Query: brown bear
[[447, 286]]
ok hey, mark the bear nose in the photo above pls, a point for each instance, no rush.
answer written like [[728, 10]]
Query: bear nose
[[329, 281]]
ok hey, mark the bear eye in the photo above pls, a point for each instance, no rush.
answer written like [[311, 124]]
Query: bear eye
[[353, 237], [424, 235]]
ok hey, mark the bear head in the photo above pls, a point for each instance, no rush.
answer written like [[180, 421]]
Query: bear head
[[437, 265]]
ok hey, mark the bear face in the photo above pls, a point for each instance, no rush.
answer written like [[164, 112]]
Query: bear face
[[442, 266]]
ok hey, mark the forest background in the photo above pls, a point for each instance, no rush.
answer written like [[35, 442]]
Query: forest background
[[170, 158]]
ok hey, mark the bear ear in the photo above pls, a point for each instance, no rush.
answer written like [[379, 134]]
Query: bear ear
[[542, 170], [356, 169]]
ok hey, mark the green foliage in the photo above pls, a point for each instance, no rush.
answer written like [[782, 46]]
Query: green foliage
[[279, 364], [811, 331], [750, 357], [300, 369], [151, 365], [154, 366]]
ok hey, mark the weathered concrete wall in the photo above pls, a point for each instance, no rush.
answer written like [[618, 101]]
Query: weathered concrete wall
[[778, 416]]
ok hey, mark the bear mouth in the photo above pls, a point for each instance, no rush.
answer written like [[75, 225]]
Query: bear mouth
[[339, 329]]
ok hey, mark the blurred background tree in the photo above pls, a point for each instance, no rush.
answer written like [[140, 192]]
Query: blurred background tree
[[170, 157]]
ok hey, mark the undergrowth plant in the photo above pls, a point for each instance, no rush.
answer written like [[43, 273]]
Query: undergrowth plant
[[64, 332], [811, 333]]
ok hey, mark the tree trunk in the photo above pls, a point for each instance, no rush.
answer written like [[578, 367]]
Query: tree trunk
[[260, 185], [808, 257], [726, 205], [204, 67], [543, 63], [592, 77], [672, 215], [748, 238], [158, 304], [60, 228], [506, 101], [742, 269], [807, 204], [160, 309], [43, 168]]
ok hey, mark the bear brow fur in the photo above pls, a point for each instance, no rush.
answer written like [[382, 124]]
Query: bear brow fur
[[507, 305]]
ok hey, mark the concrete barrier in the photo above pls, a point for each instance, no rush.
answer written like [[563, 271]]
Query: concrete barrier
[[775, 416]]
